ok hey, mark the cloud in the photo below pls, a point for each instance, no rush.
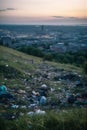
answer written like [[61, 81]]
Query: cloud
[[2, 10], [72, 20], [7, 9], [10, 9], [62, 17], [58, 17]]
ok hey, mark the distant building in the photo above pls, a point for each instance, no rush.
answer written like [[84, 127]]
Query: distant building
[[59, 47]]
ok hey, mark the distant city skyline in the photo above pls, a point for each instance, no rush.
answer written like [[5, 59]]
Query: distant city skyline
[[46, 12]]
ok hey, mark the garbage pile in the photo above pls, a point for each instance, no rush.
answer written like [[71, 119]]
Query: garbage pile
[[48, 88]]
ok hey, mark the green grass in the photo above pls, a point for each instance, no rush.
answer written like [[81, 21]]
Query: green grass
[[22, 64], [21, 60], [74, 119]]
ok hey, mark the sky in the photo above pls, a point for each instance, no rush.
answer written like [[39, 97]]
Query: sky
[[55, 12]]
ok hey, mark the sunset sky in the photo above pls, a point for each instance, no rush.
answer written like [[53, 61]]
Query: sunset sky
[[43, 12]]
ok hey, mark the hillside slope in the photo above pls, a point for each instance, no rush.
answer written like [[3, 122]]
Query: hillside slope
[[16, 65], [24, 76], [24, 72]]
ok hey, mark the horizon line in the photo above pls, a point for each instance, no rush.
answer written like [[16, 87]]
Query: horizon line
[[44, 24]]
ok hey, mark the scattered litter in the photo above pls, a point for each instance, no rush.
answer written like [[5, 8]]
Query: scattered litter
[[40, 112], [43, 100], [14, 106]]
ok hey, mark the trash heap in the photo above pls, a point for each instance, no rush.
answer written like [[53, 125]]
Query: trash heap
[[48, 88]]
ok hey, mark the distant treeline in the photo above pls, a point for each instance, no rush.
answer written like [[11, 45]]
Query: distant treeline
[[76, 58]]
